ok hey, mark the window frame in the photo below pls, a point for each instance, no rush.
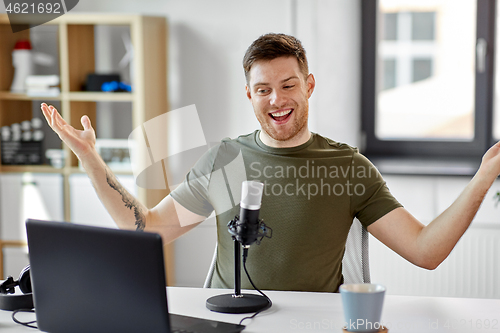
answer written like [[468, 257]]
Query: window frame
[[427, 148]]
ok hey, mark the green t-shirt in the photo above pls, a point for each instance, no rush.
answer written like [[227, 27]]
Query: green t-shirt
[[312, 193]]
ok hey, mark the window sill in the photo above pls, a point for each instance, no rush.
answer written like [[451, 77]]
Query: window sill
[[425, 166]]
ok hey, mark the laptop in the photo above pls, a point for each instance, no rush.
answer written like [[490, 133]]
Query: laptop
[[93, 279]]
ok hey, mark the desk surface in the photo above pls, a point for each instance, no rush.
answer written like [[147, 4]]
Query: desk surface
[[321, 312]]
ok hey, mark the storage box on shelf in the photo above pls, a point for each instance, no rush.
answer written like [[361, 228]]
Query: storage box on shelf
[[76, 55]]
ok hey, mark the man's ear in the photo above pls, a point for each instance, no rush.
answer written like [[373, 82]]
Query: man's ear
[[311, 83], [249, 94]]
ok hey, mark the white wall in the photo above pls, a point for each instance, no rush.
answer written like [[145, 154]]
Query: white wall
[[207, 41]]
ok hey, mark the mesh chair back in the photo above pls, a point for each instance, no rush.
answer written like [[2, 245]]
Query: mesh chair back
[[355, 265], [210, 274]]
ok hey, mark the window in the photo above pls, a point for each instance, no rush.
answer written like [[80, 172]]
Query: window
[[427, 87]]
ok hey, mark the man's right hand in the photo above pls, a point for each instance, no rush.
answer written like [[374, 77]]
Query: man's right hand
[[80, 142]]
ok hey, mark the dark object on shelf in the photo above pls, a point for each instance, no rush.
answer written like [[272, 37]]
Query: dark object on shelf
[[95, 81], [21, 152]]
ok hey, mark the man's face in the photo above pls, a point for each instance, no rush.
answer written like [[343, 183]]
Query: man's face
[[279, 94]]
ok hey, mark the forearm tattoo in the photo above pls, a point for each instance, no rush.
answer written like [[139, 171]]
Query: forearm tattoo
[[130, 202]]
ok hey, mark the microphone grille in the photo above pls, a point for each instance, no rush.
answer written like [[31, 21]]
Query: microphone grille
[[251, 194]]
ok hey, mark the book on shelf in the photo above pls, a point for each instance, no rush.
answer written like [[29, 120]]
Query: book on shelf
[[43, 86]]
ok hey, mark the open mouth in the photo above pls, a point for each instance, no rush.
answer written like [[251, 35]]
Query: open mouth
[[281, 115]]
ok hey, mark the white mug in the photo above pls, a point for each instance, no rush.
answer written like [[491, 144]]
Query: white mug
[[362, 304]]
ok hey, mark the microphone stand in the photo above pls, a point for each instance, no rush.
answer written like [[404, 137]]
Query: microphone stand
[[237, 302]]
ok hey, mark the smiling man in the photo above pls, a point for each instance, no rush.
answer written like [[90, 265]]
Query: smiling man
[[314, 186], [279, 91]]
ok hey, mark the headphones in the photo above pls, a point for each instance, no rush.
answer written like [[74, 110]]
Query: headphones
[[10, 301]]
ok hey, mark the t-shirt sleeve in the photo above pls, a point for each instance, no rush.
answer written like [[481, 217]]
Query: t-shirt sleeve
[[193, 193], [371, 199]]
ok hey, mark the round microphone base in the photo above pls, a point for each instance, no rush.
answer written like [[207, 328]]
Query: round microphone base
[[245, 303]]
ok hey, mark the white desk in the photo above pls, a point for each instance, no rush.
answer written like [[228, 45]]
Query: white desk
[[318, 312]]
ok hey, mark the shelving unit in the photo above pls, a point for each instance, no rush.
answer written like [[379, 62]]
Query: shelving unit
[[77, 59]]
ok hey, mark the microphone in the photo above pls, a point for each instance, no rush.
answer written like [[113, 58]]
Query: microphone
[[247, 228]]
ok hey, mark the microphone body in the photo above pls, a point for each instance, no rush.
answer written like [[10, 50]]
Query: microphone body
[[247, 228]]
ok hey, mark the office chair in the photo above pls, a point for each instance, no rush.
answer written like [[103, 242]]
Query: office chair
[[355, 264]]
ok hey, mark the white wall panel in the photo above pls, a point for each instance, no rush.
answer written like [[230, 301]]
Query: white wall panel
[[49, 192], [473, 267], [15, 259], [41, 197], [337, 57], [471, 270]]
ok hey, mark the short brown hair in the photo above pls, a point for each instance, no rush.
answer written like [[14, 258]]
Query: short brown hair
[[271, 46]]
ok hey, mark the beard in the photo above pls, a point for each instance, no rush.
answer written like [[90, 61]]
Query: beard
[[298, 123]]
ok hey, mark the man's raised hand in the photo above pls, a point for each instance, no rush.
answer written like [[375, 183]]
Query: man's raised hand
[[490, 163], [80, 142]]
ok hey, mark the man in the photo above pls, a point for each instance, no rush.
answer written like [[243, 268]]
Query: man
[[314, 187]]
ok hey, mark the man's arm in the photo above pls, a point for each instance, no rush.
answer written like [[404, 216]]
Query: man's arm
[[168, 218], [427, 246]]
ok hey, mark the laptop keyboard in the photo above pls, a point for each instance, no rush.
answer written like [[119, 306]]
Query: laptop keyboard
[[185, 324]]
